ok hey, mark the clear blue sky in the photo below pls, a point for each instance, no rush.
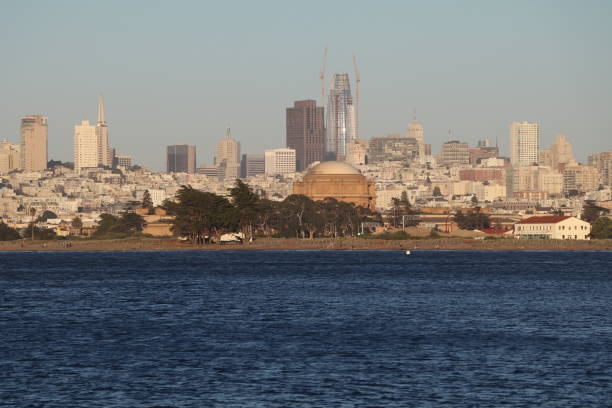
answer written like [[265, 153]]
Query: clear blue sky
[[179, 71]]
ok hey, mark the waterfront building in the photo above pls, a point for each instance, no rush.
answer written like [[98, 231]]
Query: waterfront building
[[306, 132], [33, 149], [454, 153], [552, 227], [341, 118], [340, 181], [180, 159], [9, 156], [279, 161], [252, 165], [524, 143], [392, 147]]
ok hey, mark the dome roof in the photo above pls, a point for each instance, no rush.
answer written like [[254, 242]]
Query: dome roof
[[333, 167]]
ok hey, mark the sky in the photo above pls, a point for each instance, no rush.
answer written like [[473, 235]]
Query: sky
[[180, 72]]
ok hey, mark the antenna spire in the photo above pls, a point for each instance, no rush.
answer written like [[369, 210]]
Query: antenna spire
[[357, 82], [101, 112], [322, 76]]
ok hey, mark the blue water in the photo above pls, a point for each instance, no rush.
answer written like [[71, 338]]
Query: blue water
[[301, 329]]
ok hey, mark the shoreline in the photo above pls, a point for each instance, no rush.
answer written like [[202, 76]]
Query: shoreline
[[351, 243]]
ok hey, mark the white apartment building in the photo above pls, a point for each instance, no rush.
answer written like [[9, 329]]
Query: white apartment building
[[85, 146], [279, 161], [552, 227], [524, 143]]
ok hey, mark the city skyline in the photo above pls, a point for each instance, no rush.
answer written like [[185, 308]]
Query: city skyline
[[150, 97]]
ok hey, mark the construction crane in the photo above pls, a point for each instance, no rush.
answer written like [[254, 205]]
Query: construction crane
[[322, 76], [357, 81]]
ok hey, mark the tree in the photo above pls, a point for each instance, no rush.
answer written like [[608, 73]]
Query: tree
[[592, 212], [474, 200], [46, 215], [38, 233], [7, 233], [147, 202], [127, 224], [245, 202], [437, 192], [473, 220], [198, 213], [77, 222], [602, 228]]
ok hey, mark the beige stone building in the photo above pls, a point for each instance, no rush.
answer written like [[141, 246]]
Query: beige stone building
[[340, 181], [227, 156], [561, 153], [603, 163], [34, 134], [552, 227], [9, 156], [580, 177]]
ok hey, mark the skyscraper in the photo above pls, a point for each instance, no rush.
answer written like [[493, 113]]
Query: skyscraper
[[91, 147], [306, 132], [181, 159], [340, 118], [104, 154], [228, 156], [9, 156], [524, 143], [33, 143]]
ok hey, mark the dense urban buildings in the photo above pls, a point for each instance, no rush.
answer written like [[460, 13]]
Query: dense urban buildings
[[181, 159], [306, 132], [340, 118], [33, 148]]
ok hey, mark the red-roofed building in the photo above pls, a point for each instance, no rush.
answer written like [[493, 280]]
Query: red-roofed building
[[552, 227]]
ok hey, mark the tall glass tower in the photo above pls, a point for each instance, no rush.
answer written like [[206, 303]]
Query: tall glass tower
[[340, 118]]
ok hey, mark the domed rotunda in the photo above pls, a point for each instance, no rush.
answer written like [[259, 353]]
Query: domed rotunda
[[337, 180]]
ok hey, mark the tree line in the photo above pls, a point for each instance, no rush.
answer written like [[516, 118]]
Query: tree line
[[199, 214]]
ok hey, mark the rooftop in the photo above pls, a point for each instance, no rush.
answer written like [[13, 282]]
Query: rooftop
[[545, 219]]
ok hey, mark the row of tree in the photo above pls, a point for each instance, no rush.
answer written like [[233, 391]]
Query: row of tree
[[199, 214]]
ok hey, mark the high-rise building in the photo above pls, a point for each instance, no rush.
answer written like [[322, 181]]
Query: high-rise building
[[34, 134], [415, 131], [122, 160], [524, 143], [228, 156], [603, 163], [91, 147], [561, 153], [340, 118], [356, 151], [280, 161], [579, 177], [86, 146], [181, 159], [9, 156], [252, 165], [306, 132], [104, 152], [454, 153]]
